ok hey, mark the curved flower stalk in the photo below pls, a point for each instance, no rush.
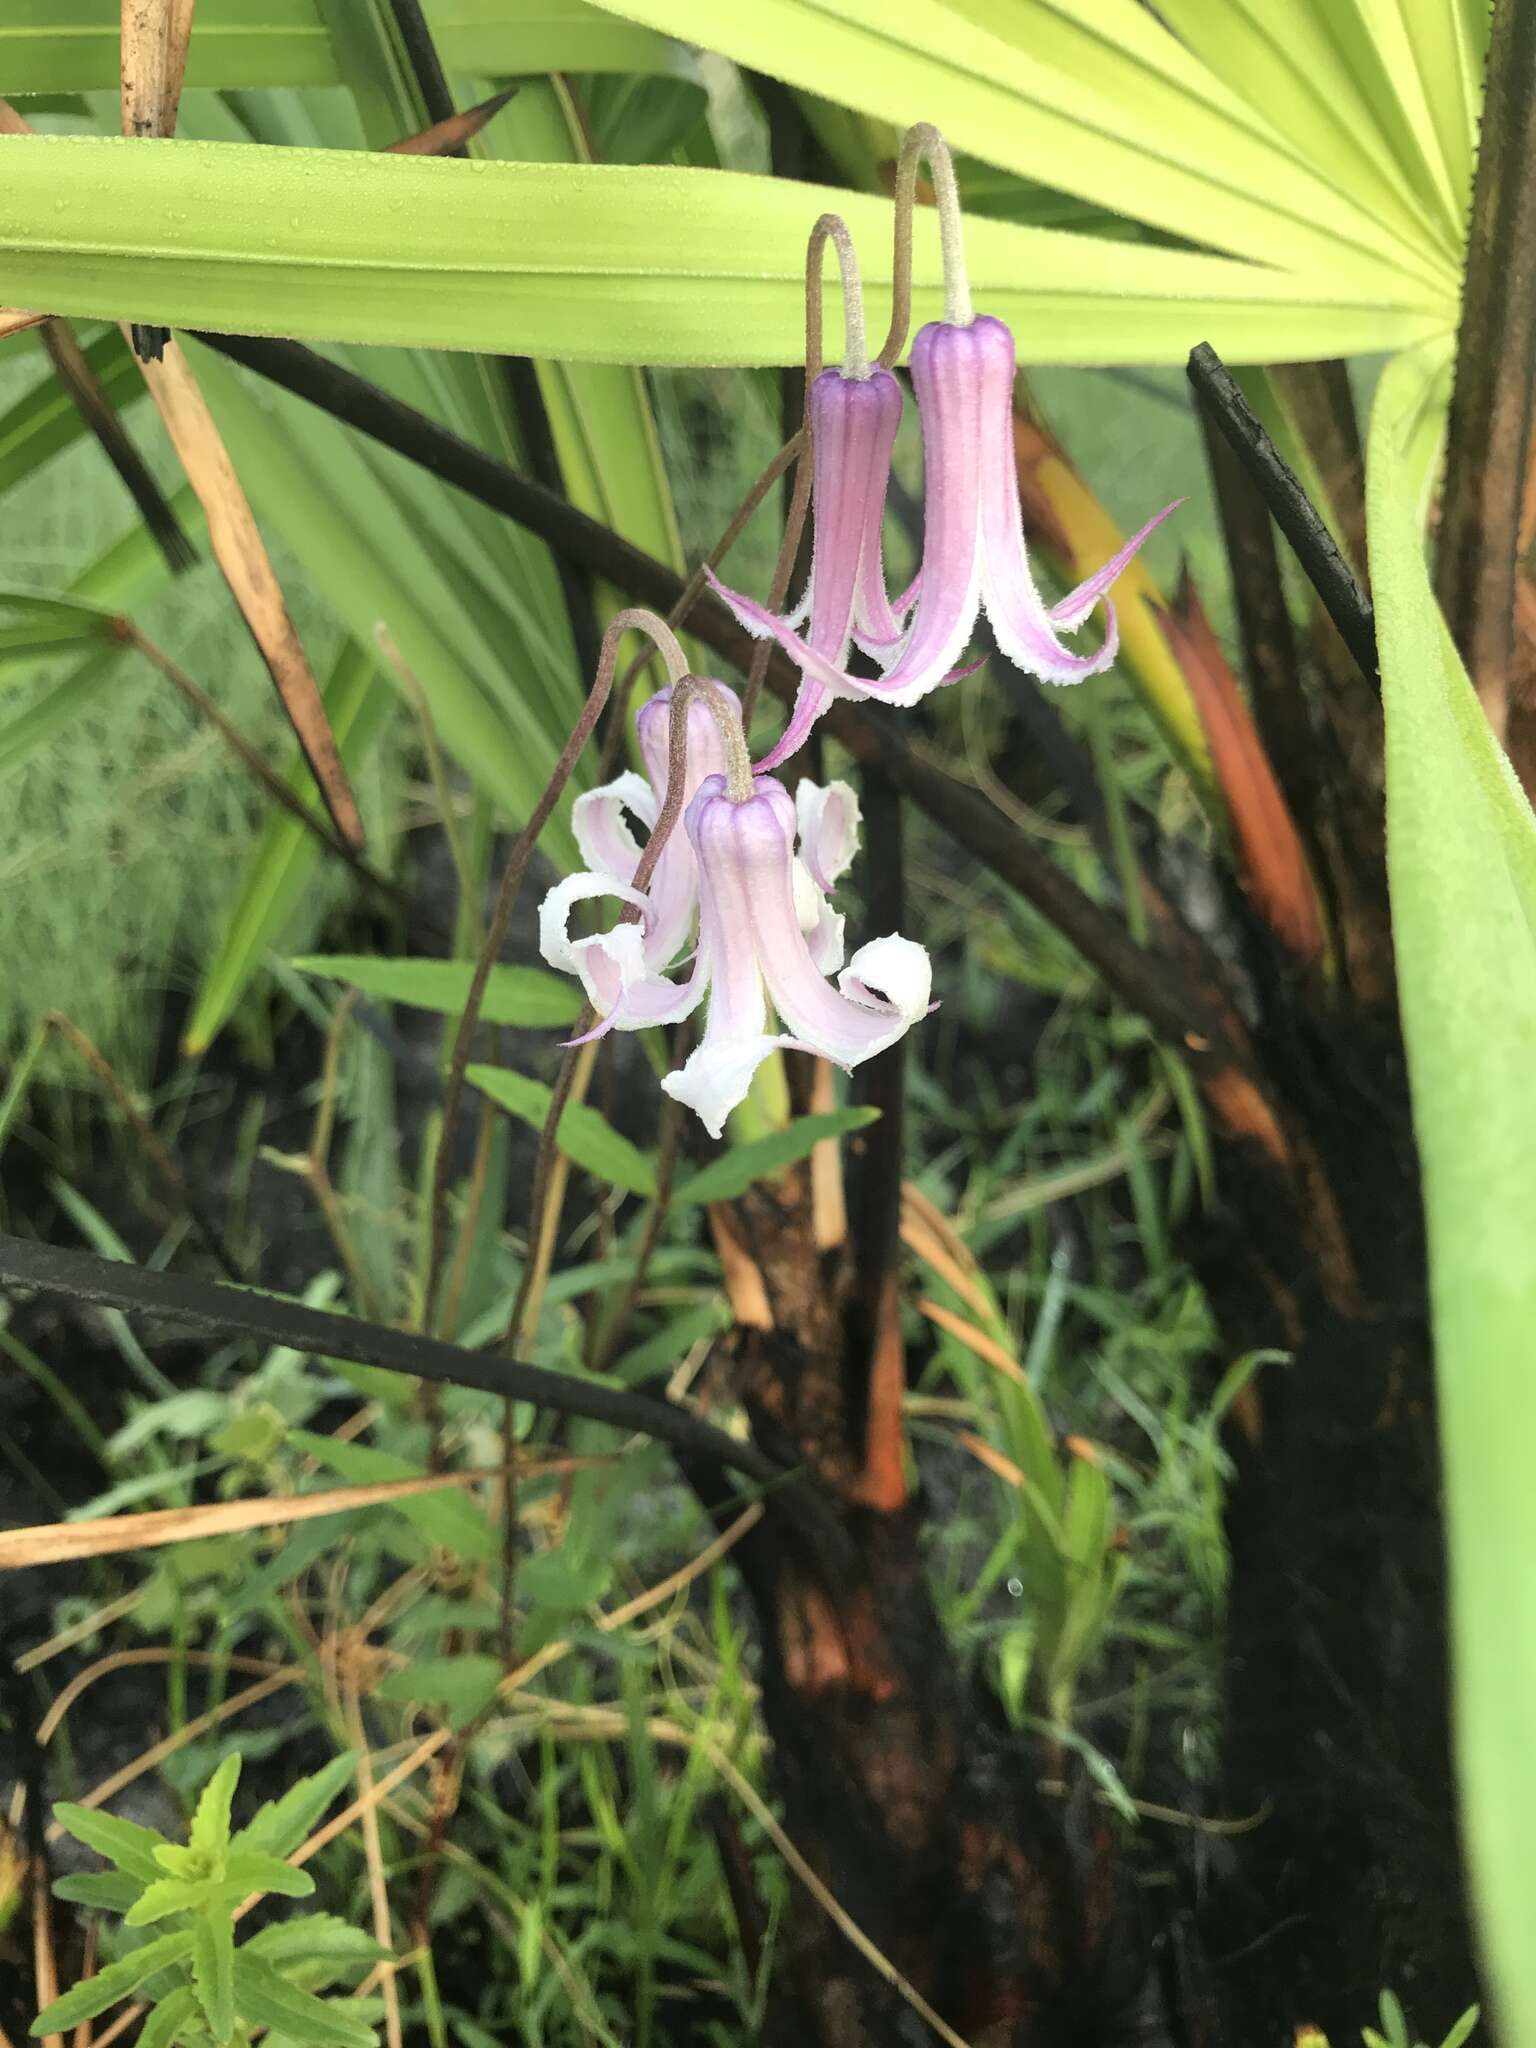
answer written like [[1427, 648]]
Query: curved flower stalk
[[974, 555], [767, 936]]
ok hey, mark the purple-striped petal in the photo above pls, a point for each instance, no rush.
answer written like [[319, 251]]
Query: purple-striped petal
[[706, 749], [674, 886]]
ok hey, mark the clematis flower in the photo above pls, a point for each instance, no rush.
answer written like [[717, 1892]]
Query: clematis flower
[[853, 422], [752, 952], [767, 936], [974, 553], [608, 845]]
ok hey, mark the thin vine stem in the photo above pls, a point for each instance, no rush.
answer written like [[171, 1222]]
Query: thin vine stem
[[632, 618], [922, 141]]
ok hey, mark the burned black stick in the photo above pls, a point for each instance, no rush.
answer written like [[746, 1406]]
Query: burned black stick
[[88, 395], [1294, 513], [207, 1305]]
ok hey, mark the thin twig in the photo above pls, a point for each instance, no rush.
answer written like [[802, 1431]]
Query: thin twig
[[258, 767], [74, 370], [631, 619]]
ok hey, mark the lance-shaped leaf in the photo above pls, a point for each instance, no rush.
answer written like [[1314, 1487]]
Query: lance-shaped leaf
[[117, 1981], [608, 263]]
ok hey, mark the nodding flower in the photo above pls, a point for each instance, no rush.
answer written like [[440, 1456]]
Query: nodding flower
[[767, 939], [975, 558], [974, 555], [753, 953], [853, 422]]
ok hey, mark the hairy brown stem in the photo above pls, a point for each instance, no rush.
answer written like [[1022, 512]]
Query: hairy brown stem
[[631, 619]]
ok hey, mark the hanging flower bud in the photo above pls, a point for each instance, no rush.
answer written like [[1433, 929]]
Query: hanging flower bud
[[626, 962]]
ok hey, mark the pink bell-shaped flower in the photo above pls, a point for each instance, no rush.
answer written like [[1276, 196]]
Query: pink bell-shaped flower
[[974, 554], [753, 954], [853, 421], [767, 936]]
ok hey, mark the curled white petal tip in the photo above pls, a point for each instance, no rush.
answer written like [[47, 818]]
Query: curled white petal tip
[[891, 973], [602, 831], [829, 819], [555, 942], [715, 1078]]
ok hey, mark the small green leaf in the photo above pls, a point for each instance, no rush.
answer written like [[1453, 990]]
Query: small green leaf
[[462, 1684], [123, 1842], [169, 2017], [559, 1584], [584, 1136], [278, 1828], [181, 1861], [449, 1519], [312, 1937], [523, 996], [109, 1891], [662, 1351], [253, 1870], [171, 1895], [213, 1972], [117, 1980], [734, 1172], [210, 1824], [267, 1999], [1463, 2027], [252, 1436]]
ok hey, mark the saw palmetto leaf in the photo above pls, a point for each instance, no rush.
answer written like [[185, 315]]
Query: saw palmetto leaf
[[606, 263]]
